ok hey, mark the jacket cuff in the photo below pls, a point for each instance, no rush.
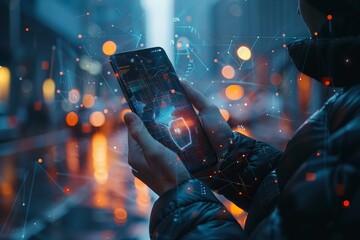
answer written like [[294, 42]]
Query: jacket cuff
[[176, 198]]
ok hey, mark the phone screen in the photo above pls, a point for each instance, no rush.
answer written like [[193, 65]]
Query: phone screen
[[154, 93]]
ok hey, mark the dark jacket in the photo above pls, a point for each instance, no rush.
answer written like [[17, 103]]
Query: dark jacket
[[309, 191]]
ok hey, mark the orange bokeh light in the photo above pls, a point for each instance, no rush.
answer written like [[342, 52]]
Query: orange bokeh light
[[109, 48], [74, 96], [97, 119], [120, 215], [225, 114], [72, 119], [228, 72], [234, 92], [88, 100]]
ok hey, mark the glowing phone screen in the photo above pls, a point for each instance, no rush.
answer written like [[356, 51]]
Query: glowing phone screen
[[155, 94]]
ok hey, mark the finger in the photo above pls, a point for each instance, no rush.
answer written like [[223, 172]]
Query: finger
[[136, 158], [140, 134], [199, 101]]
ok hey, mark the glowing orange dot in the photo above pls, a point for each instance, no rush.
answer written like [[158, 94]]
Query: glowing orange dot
[[97, 119], [228, 72], [88, 100], [106, 110], [327, 81], [284, 45], [123, 112], [27, 29], [61, 73], [316, 33], [329, 17], [234, 92], [120, 214], [225, 114], [346, 203], [172, 91], [67, 190], [109, 48], [40, 160], [215, 60], [72, 119]]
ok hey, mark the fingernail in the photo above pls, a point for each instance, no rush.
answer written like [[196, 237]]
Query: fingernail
[[129, 118]]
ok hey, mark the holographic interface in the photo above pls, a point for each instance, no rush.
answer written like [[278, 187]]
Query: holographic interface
[[155, 94]]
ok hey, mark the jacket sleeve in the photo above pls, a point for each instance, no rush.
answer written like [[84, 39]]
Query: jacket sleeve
[[191, 211], [243, 171]]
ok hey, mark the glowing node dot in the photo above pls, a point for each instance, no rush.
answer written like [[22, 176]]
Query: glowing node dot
[[58, 91], [40, 160], [27, 29], [346, 203], [284, 45], [87, 13], [316, 33], [80, 36], [61, 73], [106, 110], [329, 17]]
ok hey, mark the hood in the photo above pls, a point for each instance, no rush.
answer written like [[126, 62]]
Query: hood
[[333, 62]]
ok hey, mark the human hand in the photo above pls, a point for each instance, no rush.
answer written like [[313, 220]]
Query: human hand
[[154, 164], [216, 128]]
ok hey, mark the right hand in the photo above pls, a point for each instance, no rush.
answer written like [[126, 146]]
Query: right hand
[[216, 128]]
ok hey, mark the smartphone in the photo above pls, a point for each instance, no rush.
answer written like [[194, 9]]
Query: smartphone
[[154, 92]]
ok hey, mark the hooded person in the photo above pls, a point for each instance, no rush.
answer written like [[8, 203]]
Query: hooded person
[[332, 54], [311, 190]]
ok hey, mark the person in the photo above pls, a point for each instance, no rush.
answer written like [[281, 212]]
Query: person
[[309, 191]]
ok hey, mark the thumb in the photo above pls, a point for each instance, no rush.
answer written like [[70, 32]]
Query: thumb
[[139, 132]]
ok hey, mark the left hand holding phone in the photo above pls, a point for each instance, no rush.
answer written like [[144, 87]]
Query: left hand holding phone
[[154, 164]]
